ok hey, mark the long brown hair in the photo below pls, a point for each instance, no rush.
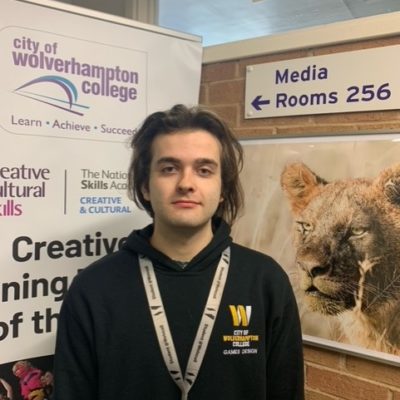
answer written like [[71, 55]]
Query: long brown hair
[[182, 118]]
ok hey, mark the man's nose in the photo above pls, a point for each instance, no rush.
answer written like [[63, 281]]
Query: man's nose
[[186, 181]]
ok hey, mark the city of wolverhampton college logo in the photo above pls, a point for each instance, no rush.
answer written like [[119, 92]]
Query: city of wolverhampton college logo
[[240, 340], [240, 315], [66, 101]]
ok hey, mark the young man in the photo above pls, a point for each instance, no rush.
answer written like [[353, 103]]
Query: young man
[[181, 312]]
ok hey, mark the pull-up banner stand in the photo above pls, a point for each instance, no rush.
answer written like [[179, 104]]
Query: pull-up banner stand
[[74, 86]]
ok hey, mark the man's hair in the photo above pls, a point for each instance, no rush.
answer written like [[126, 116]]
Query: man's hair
[[181, 118]]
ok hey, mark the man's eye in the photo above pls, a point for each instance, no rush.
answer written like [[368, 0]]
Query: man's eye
[[204, 171], [169, 169]]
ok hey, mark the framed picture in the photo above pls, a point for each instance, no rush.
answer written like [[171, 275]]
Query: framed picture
[[328, 210]]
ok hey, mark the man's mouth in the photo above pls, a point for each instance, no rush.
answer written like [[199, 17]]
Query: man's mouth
[[185, 203]]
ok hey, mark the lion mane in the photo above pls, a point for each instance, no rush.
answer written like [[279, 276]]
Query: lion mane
[[347, 244]]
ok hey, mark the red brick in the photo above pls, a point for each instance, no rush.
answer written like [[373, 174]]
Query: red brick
[[229, 92], [312, 395], [255, 133], [227, 113], [379, 127], [344, 386], [396, 395], [375, 371], [315, 130], [275, 121], [354, 46], [358, 117], [323, 357], [203, 96], [218, 71]]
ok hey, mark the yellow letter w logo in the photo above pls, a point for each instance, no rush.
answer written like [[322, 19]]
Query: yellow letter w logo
[[240, 315]]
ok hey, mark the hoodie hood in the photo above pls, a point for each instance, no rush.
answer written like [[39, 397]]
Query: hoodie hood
[[139, 242]]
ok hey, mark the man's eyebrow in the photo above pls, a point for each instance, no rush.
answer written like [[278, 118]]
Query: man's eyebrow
[[206, 161], [164, 160], [197, 161]]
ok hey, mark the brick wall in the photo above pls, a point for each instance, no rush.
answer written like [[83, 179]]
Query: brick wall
[[329, 375]]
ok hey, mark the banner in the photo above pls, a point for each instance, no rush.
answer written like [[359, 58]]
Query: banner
[[73, 90]]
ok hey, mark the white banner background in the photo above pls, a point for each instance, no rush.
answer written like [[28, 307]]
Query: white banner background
[[63, 147]]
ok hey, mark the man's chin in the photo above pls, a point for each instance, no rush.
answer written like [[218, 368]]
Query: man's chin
[[191, 225]]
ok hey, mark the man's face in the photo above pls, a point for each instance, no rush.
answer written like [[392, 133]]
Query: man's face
[[185, 180]]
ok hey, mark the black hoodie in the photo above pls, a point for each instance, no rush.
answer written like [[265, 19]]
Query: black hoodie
[[107, 347]]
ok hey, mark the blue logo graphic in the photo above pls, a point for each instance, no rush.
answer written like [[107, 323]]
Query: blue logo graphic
[[68, 103]]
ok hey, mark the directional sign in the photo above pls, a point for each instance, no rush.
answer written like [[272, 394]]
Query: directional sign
[[257, 103], [364, 80]]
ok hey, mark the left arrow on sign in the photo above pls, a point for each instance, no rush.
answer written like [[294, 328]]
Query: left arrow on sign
[[257, 103]]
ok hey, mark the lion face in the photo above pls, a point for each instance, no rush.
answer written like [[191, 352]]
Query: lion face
[[341, 239], [334, 235]]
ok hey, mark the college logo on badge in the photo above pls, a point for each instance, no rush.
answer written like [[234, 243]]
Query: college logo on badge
[[240, 315], [241, 340]]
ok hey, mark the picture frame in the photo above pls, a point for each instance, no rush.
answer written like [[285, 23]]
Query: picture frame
[[268, 225]]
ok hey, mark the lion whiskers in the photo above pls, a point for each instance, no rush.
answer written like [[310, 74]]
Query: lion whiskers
[[364, 266], [357, 323]]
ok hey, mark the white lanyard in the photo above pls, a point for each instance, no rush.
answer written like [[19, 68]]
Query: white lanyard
[[203, 332]]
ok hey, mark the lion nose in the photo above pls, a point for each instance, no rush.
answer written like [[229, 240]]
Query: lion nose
[[313, 268]]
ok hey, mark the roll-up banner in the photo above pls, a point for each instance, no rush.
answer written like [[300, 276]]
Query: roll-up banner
[[74, 86]]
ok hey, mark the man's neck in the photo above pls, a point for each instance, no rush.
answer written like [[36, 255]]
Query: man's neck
[[181, 244]]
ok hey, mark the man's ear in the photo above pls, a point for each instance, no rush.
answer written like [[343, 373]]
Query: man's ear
[[145, 192]]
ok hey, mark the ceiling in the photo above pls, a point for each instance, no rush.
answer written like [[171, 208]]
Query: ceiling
[[223, 21]]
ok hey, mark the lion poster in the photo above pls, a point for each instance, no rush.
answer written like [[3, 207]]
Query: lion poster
[[328, 210]]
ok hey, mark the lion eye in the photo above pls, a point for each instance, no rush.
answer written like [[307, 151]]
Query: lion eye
[[304, 227], [355, 231]]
